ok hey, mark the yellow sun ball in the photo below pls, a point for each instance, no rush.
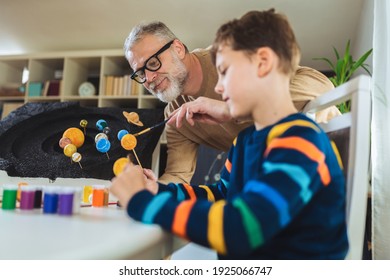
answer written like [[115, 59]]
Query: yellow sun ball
[[119, 165], [75, 135]]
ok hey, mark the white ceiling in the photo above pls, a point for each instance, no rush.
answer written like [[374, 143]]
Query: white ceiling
[[28, 26]]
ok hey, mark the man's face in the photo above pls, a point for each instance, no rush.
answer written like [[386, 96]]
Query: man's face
[[167, 83]]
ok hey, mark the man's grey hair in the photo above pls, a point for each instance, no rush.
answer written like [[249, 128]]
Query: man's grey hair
[[155, 28]]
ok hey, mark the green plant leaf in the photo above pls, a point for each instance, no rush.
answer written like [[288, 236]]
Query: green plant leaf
[[334, 81], [361, 60], [344, 67], [340, 71], [327, 60], [336, 53], [364, 66]]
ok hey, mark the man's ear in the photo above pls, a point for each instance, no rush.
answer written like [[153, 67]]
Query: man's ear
[[266, 60], [179, 48]]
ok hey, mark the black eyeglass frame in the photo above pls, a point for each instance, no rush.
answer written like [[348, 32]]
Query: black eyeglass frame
[[142, 69]]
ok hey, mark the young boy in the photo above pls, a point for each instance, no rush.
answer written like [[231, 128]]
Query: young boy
[[281, 193]]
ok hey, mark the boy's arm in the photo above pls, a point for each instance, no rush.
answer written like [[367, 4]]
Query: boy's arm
[[184, 191]]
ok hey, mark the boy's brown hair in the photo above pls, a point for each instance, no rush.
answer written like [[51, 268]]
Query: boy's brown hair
[[258, 29]]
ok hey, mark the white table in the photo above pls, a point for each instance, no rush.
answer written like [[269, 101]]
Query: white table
[[94, 233]]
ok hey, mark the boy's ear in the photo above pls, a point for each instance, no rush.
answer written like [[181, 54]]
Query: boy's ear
[[179, 48], [266, 61]]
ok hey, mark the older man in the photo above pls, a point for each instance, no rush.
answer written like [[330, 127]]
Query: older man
[[163, 64]]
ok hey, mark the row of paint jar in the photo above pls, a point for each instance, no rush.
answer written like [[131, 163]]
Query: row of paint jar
[[96, 195], [55, 199], [52, 199]]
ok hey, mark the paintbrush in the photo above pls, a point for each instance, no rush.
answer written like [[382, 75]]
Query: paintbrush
[[152, 127]]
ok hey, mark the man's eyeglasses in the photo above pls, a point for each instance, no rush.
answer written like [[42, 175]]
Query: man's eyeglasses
[[151, 64]]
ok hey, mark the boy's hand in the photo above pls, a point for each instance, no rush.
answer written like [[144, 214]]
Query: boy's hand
[[151, 181], [129, 182]]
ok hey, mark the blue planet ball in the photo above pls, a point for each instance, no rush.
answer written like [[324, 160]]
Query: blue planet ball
[[101, 124], [103, 145], [122, 133]]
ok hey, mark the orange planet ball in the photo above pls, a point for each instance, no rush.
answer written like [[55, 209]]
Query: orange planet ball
[[75, 135], [129, 142], [119, 165]]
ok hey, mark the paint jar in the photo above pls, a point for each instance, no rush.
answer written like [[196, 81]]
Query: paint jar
[[65, 201], [87, 194], [38, 197], [98, 195], [27, 196], [50, 200], [19, 194], [9, 196], [106, 196], [76, 200]]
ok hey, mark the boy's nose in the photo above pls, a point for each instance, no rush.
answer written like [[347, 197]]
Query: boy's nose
[[218, 88]]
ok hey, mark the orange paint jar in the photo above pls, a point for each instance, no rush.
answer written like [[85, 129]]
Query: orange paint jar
[[98, 195]]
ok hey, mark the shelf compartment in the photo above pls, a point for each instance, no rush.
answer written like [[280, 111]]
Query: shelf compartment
[[79, 70]]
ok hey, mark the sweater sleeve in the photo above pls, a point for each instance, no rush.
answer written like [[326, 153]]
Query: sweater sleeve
[[183, 191]]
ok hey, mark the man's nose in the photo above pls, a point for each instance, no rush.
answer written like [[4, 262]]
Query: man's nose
[[150, 76]]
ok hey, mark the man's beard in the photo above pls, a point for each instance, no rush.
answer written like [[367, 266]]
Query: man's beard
[[177, 80]]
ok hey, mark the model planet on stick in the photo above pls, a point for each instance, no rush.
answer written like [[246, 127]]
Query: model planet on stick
[[133, 118], [119, 165], [75, 135], [64, 141], [101, 124], [69, 150], [128, 142]]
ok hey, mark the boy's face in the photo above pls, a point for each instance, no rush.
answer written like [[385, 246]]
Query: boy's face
[[237, 78]]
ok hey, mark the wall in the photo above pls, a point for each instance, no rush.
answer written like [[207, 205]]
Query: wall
[[363, 40]]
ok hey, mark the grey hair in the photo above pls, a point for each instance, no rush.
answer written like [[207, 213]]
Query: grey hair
[[155, 28]]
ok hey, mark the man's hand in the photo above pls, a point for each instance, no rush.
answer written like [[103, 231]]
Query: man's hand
[[204, 110]]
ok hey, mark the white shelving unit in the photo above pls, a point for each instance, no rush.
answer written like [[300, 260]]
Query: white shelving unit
[[76, 67]]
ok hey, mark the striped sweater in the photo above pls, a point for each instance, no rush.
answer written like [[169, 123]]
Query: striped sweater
[[281, 196]]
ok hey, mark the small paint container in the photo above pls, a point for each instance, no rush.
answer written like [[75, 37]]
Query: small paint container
[[38, 197], [27, 196], [106, 196], [87, 194], [9, 196], [65, 201], [19, 194], [76, 200], [98, 195], [50, 200]]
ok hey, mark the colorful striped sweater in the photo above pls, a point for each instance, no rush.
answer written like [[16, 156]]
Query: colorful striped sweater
[[281, 196]]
